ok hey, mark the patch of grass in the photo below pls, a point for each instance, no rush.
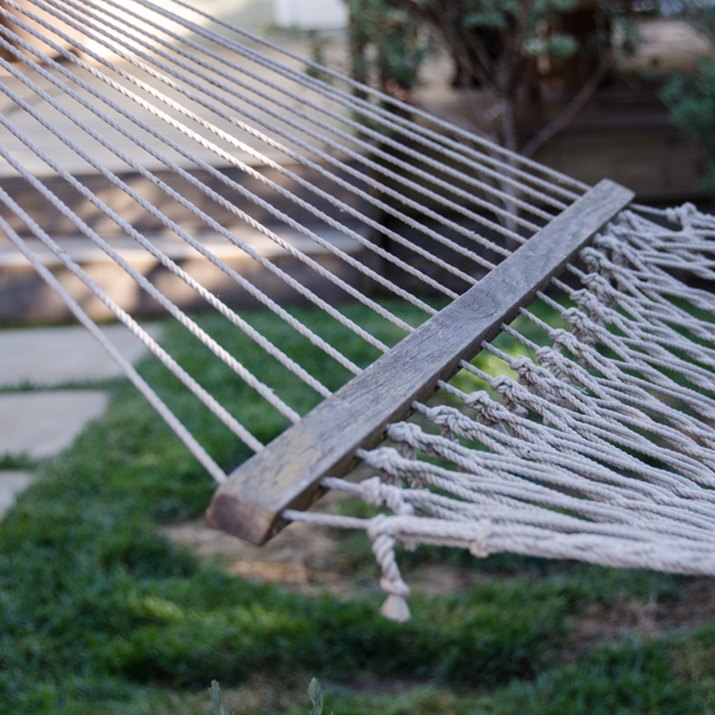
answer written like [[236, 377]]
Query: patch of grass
[[100, 612], [29, 387], [661, 677], [17, 462], [631, 678]]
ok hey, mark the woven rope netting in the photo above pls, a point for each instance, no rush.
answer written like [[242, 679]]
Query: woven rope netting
[[596, 443]]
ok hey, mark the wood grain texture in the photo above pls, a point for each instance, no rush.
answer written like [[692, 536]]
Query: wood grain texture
[[286, 474]]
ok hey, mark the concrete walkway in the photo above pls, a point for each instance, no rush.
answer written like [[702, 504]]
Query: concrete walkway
[[43, 406], [41, 424], [61, 355]]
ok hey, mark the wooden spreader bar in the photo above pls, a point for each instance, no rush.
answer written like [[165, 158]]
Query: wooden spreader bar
[[287, 473]]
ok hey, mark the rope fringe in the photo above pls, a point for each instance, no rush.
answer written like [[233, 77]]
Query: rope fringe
[[598, 445]]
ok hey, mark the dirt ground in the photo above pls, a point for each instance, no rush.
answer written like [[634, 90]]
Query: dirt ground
[[310, 560]]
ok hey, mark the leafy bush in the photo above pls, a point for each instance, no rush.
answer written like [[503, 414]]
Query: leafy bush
[[691, 101]]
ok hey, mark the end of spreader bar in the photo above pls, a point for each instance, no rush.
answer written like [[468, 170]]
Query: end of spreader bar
[[287, 473]]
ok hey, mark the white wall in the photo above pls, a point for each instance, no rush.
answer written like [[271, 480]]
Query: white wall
[[310, 14], [249, 14]]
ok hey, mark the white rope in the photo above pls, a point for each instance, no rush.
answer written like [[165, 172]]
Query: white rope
[[300, 288], [166, 359], [231, 77], [150, 395], [596, 442], [179, 231], [185, 79], [323, 90], [464, 153], [167, 92], [598, 446], [172, 309], [231, 159]]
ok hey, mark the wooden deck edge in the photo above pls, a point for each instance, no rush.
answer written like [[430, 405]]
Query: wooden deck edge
[[286, 474]]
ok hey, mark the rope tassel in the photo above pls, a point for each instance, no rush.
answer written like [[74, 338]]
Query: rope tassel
[[383, 547]]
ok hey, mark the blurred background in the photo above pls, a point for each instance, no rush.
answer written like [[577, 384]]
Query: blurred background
[[115, 597], [622, 89]]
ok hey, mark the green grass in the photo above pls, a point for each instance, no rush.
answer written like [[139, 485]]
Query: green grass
[[100, 613], [16, 462]]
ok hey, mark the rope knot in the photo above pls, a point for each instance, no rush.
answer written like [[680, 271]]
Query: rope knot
[[512, 392], [682, 215], [405, 433], [384, 459], [488, 409], [596, 284], [530, 374], [371, 491], [614, 246], [443, 417], [588, 301], [378, 494], [550, 357], [581, 324], [608, 242], [594, 258], [565, 339], [449, 421]]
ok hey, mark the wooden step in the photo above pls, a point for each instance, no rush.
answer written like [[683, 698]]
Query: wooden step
[[24, 296]]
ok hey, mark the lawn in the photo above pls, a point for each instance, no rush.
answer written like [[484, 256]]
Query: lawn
[[100, 613]]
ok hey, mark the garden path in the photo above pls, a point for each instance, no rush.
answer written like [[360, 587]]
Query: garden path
[[49, 379]]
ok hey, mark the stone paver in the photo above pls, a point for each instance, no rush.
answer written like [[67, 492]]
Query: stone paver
[[11, 484], [40, 424], [52, 356]]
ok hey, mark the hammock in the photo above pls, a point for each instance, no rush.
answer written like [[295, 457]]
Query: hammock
[[596, 443]]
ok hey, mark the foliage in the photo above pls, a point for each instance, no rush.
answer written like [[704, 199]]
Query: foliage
[[699, 12], [691, 100], [491, 40], [394, 35], [498, 45], [16, 462]]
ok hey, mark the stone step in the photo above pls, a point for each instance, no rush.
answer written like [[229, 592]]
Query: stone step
[[55, 222], [63, 355], [24, 296], [41, 424]]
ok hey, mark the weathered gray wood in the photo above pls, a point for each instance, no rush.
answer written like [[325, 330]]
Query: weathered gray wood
[[286, 474]]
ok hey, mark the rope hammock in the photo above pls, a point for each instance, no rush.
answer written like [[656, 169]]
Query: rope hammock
[[596, 443]]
